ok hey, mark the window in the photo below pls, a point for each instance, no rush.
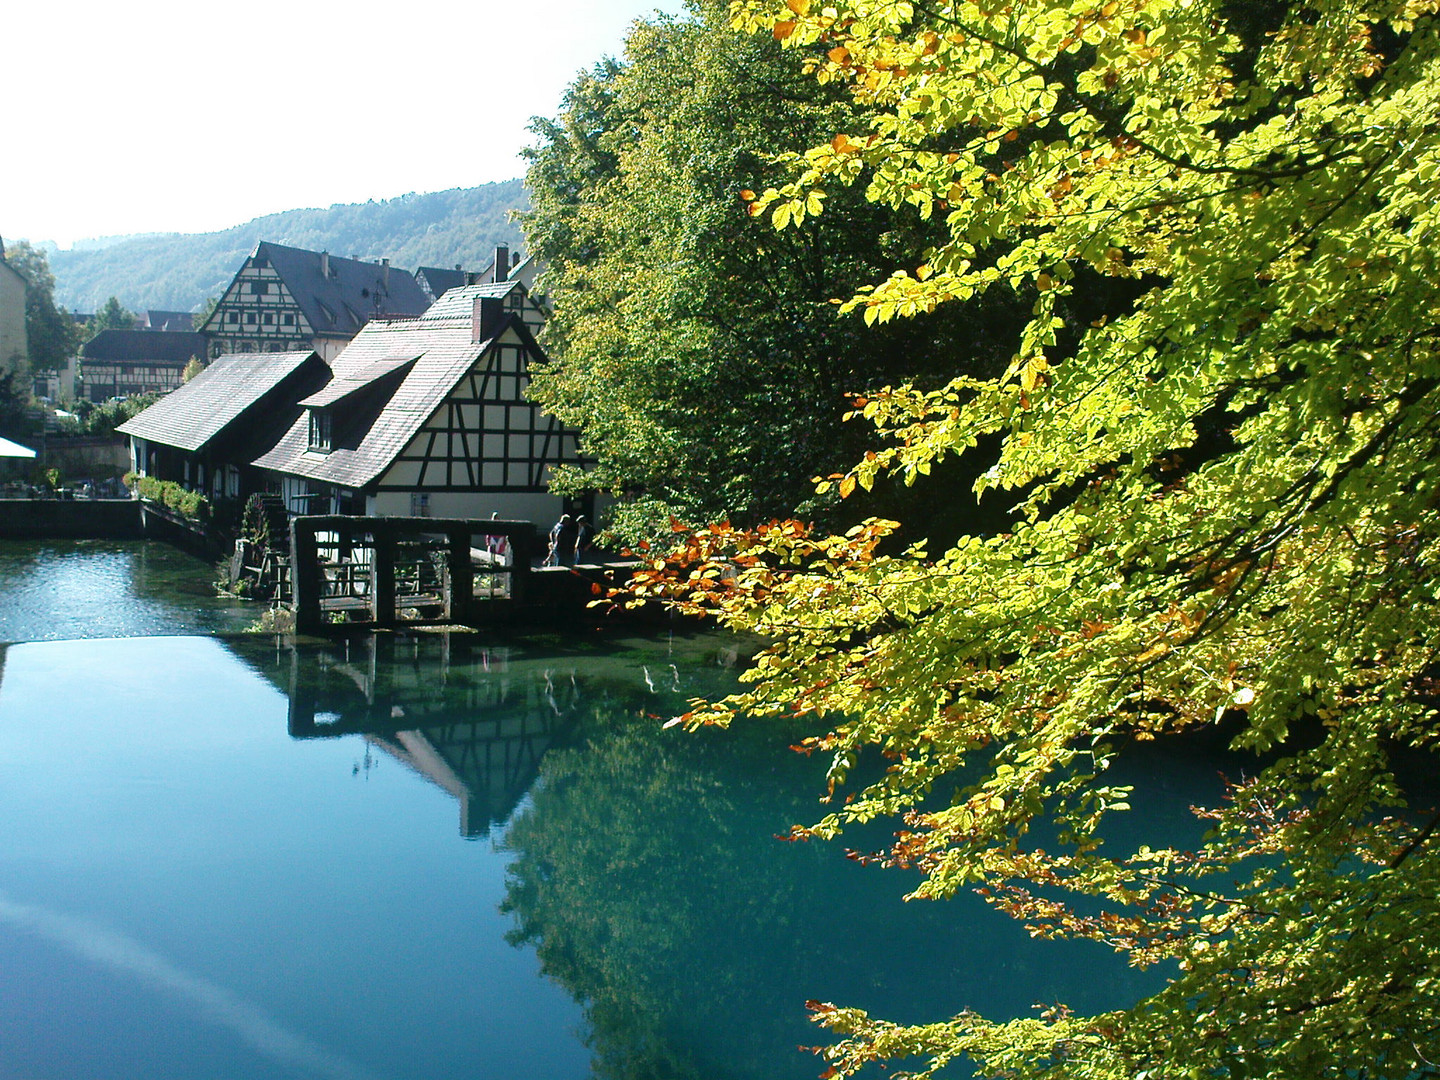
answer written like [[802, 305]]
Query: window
[[287, 320], [516, 299], [320, 430], [232, 317], [260, 288], [268, 319], [250, 318]]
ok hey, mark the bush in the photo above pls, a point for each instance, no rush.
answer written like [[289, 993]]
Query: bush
[[189, 504]]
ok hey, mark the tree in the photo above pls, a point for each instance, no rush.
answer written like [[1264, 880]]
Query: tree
[[15, 420], [1226, 514], [112, 316], [52, 334], [700, 356], [202, 316]]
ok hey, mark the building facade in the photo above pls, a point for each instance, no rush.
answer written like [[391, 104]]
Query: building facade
[[286, 299], [119, 363], [14, 346]]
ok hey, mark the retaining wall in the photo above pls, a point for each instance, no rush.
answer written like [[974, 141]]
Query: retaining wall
[[70, 519]]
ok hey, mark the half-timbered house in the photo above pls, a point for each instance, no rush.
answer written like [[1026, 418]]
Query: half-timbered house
[[206, 433], [285, 299], [429, 417], [124, 362]]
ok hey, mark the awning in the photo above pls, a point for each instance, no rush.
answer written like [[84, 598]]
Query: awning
[[13, 449]]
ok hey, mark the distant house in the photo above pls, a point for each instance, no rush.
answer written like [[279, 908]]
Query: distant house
[[117, 363], [511, 270], [422, 417], [182, 322], [14, 346], [285, 299], [435, 282], [429, 417], [205, 434]]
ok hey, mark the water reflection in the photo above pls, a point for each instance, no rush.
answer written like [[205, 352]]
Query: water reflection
[[191, 835], [59, 590], [474, 716], [644, 865]]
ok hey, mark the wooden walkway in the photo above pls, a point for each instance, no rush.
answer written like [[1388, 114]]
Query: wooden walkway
[[354, 570]]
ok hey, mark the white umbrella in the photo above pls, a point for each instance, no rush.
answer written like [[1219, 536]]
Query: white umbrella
[[14, 449]]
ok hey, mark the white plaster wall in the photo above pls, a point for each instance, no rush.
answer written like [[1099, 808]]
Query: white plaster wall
[[542, 509]]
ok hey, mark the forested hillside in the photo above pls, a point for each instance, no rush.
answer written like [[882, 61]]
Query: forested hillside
[[179, 271]]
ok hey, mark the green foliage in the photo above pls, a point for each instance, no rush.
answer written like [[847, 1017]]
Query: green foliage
[[187, 503], [203, 312], [701, 356], [53, 336], [176, 272], [1226, 513], [105, 418], [16, 422], [111, 316]]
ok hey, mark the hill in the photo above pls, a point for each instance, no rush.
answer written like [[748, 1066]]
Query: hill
[[179, 271]]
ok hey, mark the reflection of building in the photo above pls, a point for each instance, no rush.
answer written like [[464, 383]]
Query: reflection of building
[[478, 731]]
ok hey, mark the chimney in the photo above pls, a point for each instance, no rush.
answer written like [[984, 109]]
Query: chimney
[[385, 273], [324, 264], [485, 318], [502, 263]]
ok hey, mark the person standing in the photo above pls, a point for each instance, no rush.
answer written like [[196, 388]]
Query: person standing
[[562, 542]]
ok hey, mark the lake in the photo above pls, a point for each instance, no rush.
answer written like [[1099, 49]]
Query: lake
[[432, 856]]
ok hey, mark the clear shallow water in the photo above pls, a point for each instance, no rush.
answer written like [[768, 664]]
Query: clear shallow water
[[439, 857], [65, 589]]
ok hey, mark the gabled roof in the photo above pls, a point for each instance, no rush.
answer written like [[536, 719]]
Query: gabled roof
[[437, 281], [441, 341], [338, 303], [171, 321], [193, 414], [343, 385], [144, 346]]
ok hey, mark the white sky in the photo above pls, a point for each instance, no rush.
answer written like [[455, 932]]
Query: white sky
[[172, 116]]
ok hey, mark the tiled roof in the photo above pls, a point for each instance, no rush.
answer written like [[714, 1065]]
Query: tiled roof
[[343, 385], [172, 321], [139, 346], [193, 414], [437, 281], [441, 339], [352, 293]]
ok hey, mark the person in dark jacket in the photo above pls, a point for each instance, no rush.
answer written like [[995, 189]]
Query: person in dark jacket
[[563, 535]]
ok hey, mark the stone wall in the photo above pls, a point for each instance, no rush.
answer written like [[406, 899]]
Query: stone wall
[[70, 519]]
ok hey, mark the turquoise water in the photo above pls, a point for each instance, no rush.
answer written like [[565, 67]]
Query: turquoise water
[[444, 856], [66, 589]]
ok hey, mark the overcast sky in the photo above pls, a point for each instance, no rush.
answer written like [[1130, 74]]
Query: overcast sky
[[172, 116]]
